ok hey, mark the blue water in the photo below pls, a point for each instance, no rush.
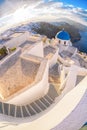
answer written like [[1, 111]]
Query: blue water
[[85, 124], [82, 44]]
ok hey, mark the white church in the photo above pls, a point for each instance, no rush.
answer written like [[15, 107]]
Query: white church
[[43, 85]]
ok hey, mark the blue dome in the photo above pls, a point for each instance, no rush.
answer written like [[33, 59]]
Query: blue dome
[[63, 35]]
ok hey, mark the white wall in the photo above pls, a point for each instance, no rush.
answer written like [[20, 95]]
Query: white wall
[[17, 41], [71, 80], [62, 41], [34, 92], [80, 71], [62, 48], [63, 61], [72, 50], [68, 114], [78, 116], [53, 60], [37, 50], [9, 60]]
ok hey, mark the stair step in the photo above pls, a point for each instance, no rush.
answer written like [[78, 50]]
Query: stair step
[[12, 110], [9, 109], [44, 102], [1, 109], [40, 104], [25, 111], [30, 110], [18, 111], [15, 111], [52, 93], [35, 107], [6, 108], [49, 99]]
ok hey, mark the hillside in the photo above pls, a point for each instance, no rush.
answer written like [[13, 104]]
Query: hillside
[[51, 29], [77, 25]]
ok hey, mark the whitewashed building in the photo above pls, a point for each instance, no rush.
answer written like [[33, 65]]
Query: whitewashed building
[[28, 100]]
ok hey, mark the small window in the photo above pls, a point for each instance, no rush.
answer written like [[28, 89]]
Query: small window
[[64, 42], [59, 41]]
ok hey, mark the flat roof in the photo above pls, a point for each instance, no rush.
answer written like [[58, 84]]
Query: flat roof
[[2, 41], [49, 50], [54, 71], [18, 76], [66, 54], [16, 34]]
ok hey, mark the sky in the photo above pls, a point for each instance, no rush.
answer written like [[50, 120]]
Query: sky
[[76, 3], [13, 12]]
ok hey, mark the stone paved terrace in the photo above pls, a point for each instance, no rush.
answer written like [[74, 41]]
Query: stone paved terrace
[[17, 77], [82, 61], [54, 74], [79, 79], [49, 50], [54, 70], [65, 54], [4, 40], [23, 113], [27, 43]]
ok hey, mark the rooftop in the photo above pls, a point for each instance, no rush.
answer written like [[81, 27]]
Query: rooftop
[[79, 79], [16, 34], [63, 35], [54, 70], [66, 54], [18, 76], [30, 109], [54, 74], [81, 60], [49, 51], [4, 40]]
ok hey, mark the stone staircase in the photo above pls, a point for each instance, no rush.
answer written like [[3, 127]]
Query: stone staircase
[[29, 109]]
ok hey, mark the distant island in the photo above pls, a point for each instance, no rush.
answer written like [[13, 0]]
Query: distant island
[[51, 29], [76, 30]]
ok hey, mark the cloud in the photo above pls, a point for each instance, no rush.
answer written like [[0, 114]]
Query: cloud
[[10, 6], [49, 4], [17, 11], [59, 10]]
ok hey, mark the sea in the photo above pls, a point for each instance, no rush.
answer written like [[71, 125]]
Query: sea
[[82, 44]]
